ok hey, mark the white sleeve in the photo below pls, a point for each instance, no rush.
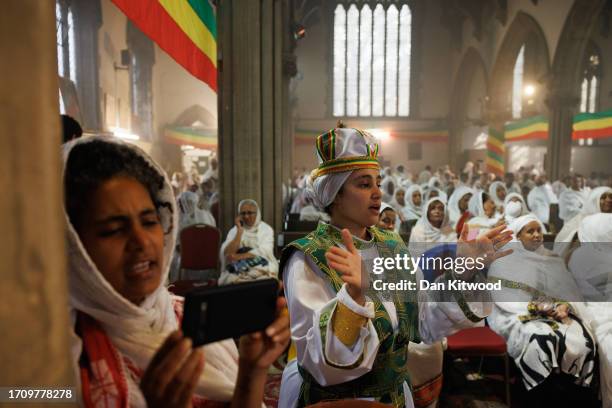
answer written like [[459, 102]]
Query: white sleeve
[[441, 317], [309, 296]]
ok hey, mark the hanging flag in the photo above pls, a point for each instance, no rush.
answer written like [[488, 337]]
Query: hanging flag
[[495, 151], [185, 29], [534, 128], [592, 125], [196, 137]]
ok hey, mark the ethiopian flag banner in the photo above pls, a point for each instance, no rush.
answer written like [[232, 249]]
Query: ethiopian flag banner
[[534, 128], [495, 151], [196, 137], [185, 29], [592, 125]]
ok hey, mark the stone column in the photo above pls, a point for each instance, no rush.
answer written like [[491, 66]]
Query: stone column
[[253, 106], [33, 312], [562, 108]]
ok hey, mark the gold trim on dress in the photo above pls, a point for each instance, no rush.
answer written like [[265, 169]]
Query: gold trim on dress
[[346, 324]]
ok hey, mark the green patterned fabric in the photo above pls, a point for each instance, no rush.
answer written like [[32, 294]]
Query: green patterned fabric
[[384, 381]]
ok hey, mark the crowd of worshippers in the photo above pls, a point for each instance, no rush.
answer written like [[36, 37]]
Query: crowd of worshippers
[[124, 216], [475, 197], [556, 345]]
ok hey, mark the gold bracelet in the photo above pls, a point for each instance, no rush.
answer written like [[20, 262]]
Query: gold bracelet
[[346, 324]]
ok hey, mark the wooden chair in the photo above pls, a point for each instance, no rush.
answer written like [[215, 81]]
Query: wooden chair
[[481, 342]]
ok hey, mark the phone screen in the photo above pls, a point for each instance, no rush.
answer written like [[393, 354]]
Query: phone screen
[[213, 314]]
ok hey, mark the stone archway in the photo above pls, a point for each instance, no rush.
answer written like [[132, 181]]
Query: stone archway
[[524, 30], [472, 67], [564, 83]]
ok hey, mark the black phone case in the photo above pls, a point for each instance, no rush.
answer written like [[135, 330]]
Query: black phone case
[[213, 314]]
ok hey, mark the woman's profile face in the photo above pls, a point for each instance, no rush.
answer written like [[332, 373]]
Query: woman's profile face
[[489, 207], [605, 203], [399, 197], [387, 220], [358, 202], [416, 198], [531, 236], [501, 192], [435, 213], [248, 214], [463, 203], [121, 231]]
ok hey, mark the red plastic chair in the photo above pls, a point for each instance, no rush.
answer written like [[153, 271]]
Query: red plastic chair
[[481, 342], [200, 246]]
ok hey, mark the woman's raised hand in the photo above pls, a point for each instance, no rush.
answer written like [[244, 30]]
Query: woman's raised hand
[[348, 263], [172, 375], [486, 246]]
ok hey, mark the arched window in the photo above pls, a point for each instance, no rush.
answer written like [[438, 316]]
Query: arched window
[[371, 71], [589, 90], [66, 46], [589, 95], [517, 84]]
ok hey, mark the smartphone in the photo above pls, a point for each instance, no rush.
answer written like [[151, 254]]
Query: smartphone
[[222, 312], [241, 223]]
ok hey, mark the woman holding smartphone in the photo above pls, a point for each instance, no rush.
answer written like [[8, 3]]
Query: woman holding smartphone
[[126, 347], [351, 341]]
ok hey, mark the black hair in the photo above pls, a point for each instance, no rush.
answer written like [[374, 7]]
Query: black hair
[[93, 163], [485, 197], [70, 129]]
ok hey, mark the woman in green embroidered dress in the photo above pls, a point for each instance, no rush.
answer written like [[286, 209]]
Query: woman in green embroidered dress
[[352, 342]]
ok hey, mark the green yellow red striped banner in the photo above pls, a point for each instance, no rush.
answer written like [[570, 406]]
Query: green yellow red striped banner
[[533, 128], [200, 138], [495, 151], [592, 125], [185, 29]]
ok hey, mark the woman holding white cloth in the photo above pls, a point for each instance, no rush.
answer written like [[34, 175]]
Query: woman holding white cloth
[[352, 342]]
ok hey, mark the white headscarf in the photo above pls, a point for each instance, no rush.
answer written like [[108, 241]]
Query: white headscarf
[[571, 203], [425, 233], [540, 269], [454, 213], [395, 204], [410, 210], [441, 194], [259, 237], [476, 208], [513, 209], [190, 213], [493, 193], [137, 331], [570, 228]]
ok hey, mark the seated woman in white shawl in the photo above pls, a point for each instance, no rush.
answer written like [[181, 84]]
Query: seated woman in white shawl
[[458, 204], [514, 207], [484, 213], [541, 315], [591, 265], [432, 228], [599, 201], [498, 192], [126, 347], [189, 212], [248, 250], [572, 199], [540, 198], [399, 201], [413, 200], [432, 192]]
